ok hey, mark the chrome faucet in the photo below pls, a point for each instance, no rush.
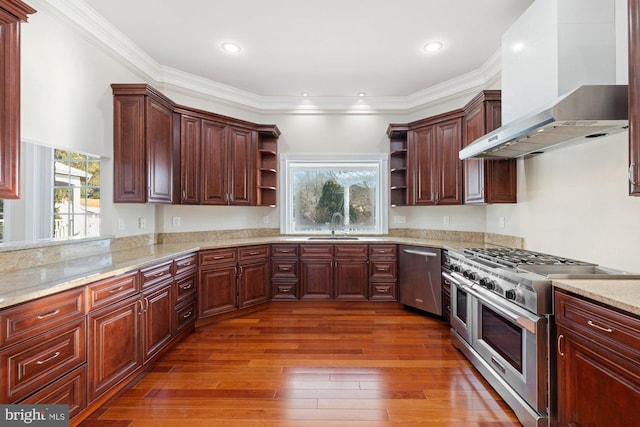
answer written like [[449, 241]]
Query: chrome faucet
[[333, 223]]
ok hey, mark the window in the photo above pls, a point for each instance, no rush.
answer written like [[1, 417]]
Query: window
[[316, 188], [76, 195]]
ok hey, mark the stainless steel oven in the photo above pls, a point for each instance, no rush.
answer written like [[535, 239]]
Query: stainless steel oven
[[461, 307]]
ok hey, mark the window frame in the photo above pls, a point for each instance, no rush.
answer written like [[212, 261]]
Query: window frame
[[286, 194]]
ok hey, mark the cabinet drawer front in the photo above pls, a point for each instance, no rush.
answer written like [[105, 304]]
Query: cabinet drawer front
[[284, 269], [383, 269], [186, 264], [385, 291], [26, 320], [351, 251], [33, 363], [284, 290], [383, 251], [316, 251], [597, 322], [254, 252], [218, 256], [185, 287], [185, 314], [111, 290], [152, 276], [68, 390], [279, 251]]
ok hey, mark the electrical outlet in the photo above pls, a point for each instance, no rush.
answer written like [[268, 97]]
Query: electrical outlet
[[445, 220], [120, 224], [142, 222], [176, 221], [501, 222], [265, 219], [399, 219]]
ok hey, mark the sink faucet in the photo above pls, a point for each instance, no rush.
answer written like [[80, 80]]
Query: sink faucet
[[333, 223]]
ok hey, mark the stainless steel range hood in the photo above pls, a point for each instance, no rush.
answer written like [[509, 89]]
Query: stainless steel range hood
[[591, 111]]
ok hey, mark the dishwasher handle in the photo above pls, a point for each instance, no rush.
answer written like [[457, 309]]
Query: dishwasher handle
[[414, 252]]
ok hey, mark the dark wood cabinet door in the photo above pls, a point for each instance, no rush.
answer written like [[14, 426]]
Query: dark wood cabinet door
[[11, 13], [217, 290], [634, 97], [596, 386], [316, 279], [158, 317], [113, 345], [214, 164], [351, 279], [474, 127], [242, 166], [448, 135], [129, 164], [190, 160], [160, 146], [422, 161], [254, 282]]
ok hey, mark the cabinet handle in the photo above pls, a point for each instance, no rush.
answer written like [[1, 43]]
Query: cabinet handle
[[141, 307], [158, 274], [186, 264], [285, 251], [218, 257], [602, 328], [254, 253], [146, 303], [284, 269], [42, 362], [113, 291], [631, 174], [51, 313], [187, 315], [560, 338], [185, 287]]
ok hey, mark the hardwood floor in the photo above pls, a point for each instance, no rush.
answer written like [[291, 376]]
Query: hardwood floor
[[312, 364]]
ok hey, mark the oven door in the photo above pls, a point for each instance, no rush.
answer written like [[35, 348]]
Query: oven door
[[513, 342], [461, 307]]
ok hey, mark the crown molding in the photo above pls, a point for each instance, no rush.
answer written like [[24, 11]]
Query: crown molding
[[94, 24]]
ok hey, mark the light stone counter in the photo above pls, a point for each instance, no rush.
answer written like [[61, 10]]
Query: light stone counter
[[620, 294], [23, 285]]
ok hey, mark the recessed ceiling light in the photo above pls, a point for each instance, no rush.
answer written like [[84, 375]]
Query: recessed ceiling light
[[518, 47], [305, 94], [230, 47], [361, 94], [433, 46]]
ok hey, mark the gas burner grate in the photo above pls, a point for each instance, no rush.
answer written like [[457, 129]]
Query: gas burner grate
[[512, 257]]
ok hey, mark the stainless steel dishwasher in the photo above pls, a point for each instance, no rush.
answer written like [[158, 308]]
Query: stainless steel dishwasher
[[419, 278]]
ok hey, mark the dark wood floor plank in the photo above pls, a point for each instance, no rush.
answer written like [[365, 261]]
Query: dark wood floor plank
[[311, 364]]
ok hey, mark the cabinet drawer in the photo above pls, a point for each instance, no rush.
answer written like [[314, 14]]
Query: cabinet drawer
[[185, 315], [284, 290], [253, 252], [383, 251], [316, 251], [185, 287], [383, 291], [160, 273], [218, 256], [280, 251], [383, 270], [351, 251], [186, 264], [111, 290], [597, 322], [283, 269], [28, 319], [68, 390], [31, 364]]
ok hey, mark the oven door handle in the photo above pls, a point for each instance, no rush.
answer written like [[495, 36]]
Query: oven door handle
[[529, 323], [449, 277]]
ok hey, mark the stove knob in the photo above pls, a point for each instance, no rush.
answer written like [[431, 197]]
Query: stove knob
[[491, 285], [472, 275], [511, 294], [488, 283], [484, 281], [456, 268]]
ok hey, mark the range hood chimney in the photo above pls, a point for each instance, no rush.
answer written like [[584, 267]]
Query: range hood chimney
[[559, 85]]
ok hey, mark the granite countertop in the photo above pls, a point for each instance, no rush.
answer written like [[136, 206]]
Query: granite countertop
[[27, 284], [620, 294]]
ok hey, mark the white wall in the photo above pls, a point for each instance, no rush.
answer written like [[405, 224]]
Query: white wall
[[572, 202]]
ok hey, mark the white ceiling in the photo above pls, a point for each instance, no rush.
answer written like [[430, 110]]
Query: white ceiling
[[328, 48]]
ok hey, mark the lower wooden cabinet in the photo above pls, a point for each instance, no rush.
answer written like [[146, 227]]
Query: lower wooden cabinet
[[351, 272], [158, 316], [598, 364], [68, 390], [383, 272], [217, 289], [316, 277]]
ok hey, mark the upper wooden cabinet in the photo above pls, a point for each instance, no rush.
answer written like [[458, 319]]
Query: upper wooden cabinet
[[486, 181], [11, 13], [146, 148], [634, 97]]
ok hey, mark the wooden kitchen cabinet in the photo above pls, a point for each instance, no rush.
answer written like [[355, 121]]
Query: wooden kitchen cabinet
[[634, 97], [12, 12], [398, 165], [146, 145], [486, 181], [316, 271], [190, 159], [158, 316], [598, 364], [351, 272], [217, 282], [254, 275], [284, 272], [383, 272]]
